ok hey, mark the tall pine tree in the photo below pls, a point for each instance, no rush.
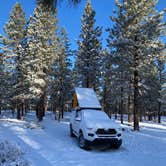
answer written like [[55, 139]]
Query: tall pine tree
[[42, 51], [161, 75], [88, 62], [13, 52], [1, 81], [61, 84], [135, 37]]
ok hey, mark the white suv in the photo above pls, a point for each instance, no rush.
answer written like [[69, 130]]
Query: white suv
[[94, 126]]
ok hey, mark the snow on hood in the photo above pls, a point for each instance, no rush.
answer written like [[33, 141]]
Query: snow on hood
[[106, 124], [98, 119]]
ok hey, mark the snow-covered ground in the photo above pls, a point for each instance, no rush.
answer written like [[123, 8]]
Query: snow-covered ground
[[49, 144], [11, 155]]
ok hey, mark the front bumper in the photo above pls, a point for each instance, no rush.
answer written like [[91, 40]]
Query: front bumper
[[110, 141], [93, 137]]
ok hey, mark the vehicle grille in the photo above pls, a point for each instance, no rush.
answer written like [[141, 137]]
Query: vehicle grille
[[105, 132]]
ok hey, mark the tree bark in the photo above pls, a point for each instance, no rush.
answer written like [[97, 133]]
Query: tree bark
[[159, 112], [62, 102], [42, 105], [22, 109], [40, 111], [104, 98], [136, 93], [59, 106], [116, 110], [149, 116], [87, 82], [62, 108], [18, 113], [159, 103], [121, 106]]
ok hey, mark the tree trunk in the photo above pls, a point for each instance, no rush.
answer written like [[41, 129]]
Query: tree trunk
[[59, 105], [62, 103], [116, 110], [159, 102], [18, 113], [13, 111], [22, 109], [62, 113], [136, 93], [62, 108], [121, 106], [37, 110], [59, 116], [150, 116], [104, 98], [42, 105], [40, 111], [159, 112], [41, 108], [87, 82]]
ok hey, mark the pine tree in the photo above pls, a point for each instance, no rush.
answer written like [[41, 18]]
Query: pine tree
[[42, 51], [5, 87], [149, 90], [88, 62], [53, 3], [1, 81], [107, 81], [161, 75], [135, 37], [13, 51], [118, 81], [61, 75]]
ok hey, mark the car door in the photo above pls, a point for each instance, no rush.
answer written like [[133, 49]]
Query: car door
[[77, 121]]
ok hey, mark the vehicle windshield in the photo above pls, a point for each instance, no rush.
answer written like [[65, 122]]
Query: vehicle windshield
[[94, 114]]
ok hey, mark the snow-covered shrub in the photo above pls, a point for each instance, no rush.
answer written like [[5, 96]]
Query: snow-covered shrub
[[11, 155]]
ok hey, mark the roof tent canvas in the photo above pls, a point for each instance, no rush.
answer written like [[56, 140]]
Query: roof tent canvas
[[87, 98]]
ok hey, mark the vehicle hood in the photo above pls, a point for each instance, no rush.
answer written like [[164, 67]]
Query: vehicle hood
[[106, 124]]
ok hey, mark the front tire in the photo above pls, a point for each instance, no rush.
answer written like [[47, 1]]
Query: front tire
[[83, 143]]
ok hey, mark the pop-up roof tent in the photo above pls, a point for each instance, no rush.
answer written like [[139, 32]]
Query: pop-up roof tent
[[85, 98]]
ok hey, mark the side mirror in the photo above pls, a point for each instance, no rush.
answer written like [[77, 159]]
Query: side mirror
[[78, 119]]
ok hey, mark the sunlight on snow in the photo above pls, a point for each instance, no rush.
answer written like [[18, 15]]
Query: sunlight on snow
[[152, 125], [30, 142]]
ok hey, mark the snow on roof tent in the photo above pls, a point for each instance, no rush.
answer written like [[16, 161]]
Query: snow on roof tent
[[86, 98]]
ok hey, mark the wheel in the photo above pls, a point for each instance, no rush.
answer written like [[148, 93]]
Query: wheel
[[117, 144], [83, 143], [71, 131]]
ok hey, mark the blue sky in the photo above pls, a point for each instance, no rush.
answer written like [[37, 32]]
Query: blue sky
[[69, 17]]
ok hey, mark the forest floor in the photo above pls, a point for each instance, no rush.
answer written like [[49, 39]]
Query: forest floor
[[48, 144]]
